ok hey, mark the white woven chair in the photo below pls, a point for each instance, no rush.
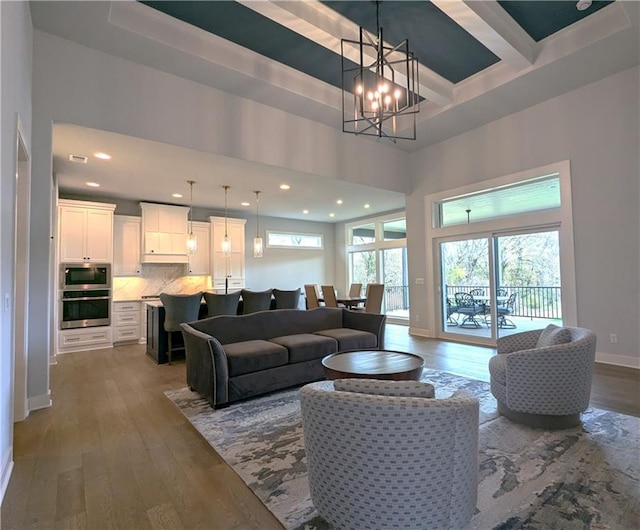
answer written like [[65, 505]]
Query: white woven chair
[[542, 378], [381, 458]]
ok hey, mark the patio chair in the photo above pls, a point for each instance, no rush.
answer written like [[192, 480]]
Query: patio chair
[[468, 307], [476, 292], [451, 310], [505, 310]]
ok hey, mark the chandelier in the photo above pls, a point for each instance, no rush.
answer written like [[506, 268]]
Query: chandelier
[[380, 95]]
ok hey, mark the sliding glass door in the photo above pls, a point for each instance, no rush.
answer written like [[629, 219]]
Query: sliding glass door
[[496, 284]]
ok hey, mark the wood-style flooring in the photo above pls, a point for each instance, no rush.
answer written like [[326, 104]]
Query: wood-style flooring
[[113, 452]]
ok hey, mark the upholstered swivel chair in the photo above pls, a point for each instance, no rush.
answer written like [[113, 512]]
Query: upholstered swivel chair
[[287, 299], [542, 378], [222, 304], [386, 454], [329, 296], [254, 301], [311, 295], [178, 308]]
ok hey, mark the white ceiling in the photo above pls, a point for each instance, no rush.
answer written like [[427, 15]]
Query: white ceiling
[[529, 72]]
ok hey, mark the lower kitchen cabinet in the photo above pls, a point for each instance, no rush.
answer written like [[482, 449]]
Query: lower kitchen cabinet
[[70, 340], [126, 321]]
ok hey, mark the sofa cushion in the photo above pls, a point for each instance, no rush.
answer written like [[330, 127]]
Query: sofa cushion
[[350, 339], [254, 356], [307, 346], [553, 335]]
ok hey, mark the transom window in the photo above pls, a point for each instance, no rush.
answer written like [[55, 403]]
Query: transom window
[[294, 240]]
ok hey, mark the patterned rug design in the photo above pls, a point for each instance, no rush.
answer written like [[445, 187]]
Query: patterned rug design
[[587, 477]]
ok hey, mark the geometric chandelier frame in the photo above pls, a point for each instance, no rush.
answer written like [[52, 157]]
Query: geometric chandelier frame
[[380, 95]]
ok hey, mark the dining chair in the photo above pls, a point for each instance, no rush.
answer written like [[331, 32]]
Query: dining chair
[[375, 293], [329, 295], [178, 308], [355, 289], [311, 295]]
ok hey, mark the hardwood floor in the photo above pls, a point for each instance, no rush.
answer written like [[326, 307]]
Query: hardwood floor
[[114, 452]]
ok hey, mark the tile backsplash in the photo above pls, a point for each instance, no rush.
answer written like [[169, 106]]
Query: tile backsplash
[[156, 278]]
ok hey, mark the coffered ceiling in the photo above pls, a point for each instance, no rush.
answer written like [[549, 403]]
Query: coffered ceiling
[[479, 60]]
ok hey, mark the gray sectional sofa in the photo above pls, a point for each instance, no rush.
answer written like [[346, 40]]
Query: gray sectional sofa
[[230, 358]]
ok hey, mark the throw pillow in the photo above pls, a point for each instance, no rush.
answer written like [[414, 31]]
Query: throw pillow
[[553, 335], [378, 387]]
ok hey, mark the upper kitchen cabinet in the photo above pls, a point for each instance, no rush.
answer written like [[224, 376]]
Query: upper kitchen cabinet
[[126, 245], [200, 261], [85, 231], [164, 233], [227, 270]]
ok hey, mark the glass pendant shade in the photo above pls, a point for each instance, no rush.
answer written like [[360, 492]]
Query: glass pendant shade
[[192, 241], [257, 247], [257, 241], [225, 246]]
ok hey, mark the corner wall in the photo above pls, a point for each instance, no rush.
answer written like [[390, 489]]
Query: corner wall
[[596, 127]]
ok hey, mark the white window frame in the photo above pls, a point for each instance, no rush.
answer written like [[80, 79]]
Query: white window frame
[[320, 237], [561, 217]]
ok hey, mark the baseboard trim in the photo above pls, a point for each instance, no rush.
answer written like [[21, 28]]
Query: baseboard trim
[[5, 472], [419, 332], [618, 360], [40, 402]]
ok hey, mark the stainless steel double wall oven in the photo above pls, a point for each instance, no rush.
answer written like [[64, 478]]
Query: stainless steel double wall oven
[[85, 295]]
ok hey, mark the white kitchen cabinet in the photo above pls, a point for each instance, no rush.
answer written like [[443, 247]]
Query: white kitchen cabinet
[[231, 269], [126, 321], [70, 340], [126, 245], [164, 233], [85, 231], [200, 261]]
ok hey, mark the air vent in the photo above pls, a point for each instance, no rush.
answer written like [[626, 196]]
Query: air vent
[[78, 159]]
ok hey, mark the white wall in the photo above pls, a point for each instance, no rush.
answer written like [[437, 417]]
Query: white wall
[[289, 268], [15, 91], [596, 127]]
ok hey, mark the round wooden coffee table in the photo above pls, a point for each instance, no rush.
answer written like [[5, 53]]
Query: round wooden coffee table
[[373, 364]]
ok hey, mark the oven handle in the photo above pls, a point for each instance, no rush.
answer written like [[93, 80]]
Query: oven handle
[[85, 298]]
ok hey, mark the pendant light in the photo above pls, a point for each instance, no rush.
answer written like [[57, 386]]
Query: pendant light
[[192, 241], [226, 241], [257, 241]]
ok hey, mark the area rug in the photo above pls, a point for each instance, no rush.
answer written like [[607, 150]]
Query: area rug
[[587, 477]]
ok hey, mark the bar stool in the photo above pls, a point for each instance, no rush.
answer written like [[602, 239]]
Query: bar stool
[[179, 308]]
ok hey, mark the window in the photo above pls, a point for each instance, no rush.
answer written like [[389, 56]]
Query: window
[[378, 254], [531, 195], [294, 240]]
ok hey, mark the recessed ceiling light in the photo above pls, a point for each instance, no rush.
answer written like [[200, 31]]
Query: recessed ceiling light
[[367, 206], [245, 204], [305, 211], [102, 156], [339, 201], [332, 214], [93, 184], [177, 195], [583, 4], [285, 187]]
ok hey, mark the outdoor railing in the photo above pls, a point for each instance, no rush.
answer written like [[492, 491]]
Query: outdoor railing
[[532, 302], [396, 297]]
